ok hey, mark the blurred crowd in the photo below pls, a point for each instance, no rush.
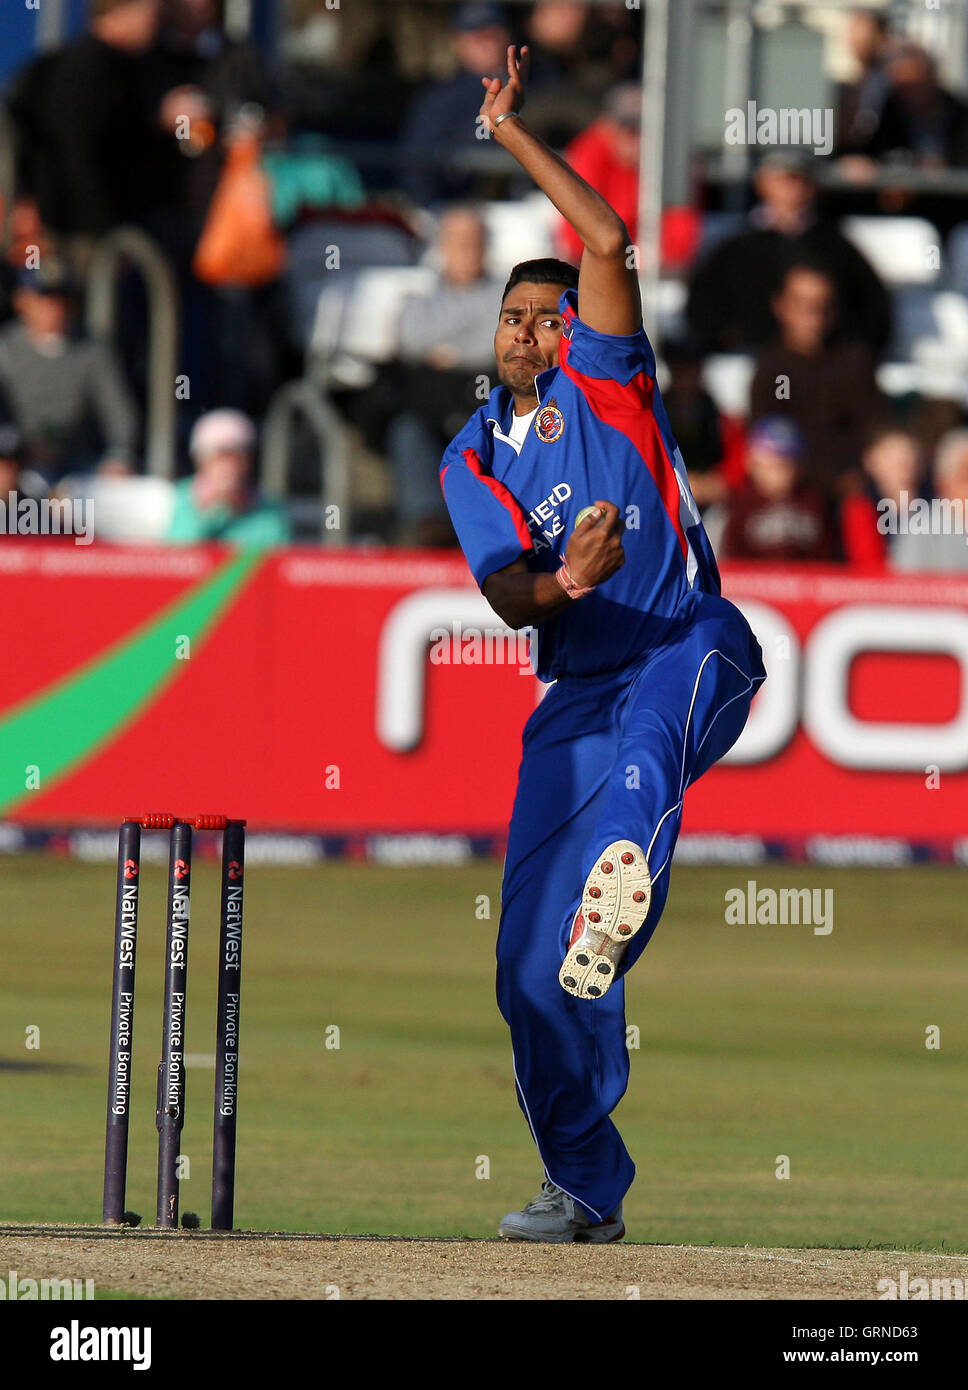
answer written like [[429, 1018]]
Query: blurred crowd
[[338, 221]]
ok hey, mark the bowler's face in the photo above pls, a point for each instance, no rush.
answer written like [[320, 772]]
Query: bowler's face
[[528, 334]]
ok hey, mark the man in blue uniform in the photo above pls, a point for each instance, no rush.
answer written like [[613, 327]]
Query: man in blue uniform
[[571, 503]]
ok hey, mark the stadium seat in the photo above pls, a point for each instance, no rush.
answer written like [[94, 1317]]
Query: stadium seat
[[667, 313], [310, 275], [929, 350], [956, 259], [518, 231], [903, 250], [728, 378], [358, 314], [355, 315]]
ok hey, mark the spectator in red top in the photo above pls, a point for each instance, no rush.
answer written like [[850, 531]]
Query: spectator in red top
[[777, 516], [606, 155]]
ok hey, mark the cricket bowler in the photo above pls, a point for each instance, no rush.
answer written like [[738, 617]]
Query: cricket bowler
[[572, 505]]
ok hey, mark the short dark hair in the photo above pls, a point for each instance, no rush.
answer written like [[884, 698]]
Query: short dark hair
[[812, 264], [546, 271]]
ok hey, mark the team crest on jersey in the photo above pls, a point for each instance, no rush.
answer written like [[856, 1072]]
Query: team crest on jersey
[[549, 423]]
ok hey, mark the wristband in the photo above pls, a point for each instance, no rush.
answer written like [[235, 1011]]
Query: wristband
[[572, 588], [506, 117]]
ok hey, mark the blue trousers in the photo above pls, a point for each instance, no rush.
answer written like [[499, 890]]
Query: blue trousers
[[605, 758]]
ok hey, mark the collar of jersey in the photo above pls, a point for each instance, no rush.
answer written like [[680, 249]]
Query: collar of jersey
[[500, 404]]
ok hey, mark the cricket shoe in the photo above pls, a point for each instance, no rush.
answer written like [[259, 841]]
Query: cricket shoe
[[556, 1219], [615, 903]]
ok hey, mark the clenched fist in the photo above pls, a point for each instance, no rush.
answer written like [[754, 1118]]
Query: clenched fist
[[595, 550]]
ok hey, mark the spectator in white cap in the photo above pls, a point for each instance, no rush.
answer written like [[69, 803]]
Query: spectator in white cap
[[220, 502]]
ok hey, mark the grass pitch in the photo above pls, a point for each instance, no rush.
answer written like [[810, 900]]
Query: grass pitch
[[375, 1079]]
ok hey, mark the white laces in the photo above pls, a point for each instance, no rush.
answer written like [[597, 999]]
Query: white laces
[[548, 1199]]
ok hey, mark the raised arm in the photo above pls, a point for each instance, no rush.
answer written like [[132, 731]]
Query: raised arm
[[608, 290]]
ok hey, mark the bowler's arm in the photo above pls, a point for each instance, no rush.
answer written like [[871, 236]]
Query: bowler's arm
[[608, 288], [522, 598]]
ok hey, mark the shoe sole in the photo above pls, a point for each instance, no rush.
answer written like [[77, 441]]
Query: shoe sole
[[594, 1235], [614, 906]]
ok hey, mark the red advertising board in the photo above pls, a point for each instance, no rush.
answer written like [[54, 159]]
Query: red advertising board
[[350, 693]]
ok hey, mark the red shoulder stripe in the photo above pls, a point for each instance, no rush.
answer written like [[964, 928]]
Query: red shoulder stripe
[[500, 492], [628, 409]]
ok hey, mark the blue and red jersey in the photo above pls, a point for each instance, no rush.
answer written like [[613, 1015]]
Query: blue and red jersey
[[600, 431]]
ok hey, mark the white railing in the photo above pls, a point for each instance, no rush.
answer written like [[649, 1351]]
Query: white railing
[[130, 244], [307, 399]]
